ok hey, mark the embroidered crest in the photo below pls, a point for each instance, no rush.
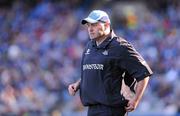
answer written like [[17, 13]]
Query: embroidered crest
[[105, 52]]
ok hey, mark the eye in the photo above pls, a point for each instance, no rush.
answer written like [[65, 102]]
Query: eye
[[88, 25], [94, 24]]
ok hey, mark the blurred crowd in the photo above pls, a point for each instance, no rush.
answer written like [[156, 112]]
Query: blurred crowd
[[40, 52]]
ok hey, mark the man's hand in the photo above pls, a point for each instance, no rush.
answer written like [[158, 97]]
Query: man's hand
[[134, 101], [73, 88], [129, 95], [132, 104]]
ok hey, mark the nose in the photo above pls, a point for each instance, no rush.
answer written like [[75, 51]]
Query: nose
[[90, 29]]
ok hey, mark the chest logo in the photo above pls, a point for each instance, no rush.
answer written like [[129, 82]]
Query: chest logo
[[88, 51], [105, 52]]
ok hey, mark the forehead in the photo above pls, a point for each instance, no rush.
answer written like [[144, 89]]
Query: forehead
[[94, 24]]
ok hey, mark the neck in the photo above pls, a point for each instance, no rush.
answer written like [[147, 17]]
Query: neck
[[100, 40]]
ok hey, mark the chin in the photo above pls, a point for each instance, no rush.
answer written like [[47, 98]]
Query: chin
[[92, 37]]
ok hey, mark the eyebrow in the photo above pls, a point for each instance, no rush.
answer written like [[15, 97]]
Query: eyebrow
[[91, 23], [101, 21]]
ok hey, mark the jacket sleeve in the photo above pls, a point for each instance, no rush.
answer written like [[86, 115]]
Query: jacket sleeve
[[133, 63]]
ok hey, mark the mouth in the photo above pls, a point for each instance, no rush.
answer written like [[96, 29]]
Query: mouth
[[91, 33]]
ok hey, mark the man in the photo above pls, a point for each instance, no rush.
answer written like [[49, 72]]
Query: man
[[106, 62]]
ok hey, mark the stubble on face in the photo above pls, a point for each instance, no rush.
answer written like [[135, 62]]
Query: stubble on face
[[96, 31]]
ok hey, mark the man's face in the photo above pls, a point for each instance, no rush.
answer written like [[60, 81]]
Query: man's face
[[96, 30]]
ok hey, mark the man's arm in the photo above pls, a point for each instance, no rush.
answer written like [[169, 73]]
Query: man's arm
[[140, 88], [74, 87]]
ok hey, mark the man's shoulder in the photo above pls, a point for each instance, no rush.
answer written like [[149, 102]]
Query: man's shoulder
[[121, 43]]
